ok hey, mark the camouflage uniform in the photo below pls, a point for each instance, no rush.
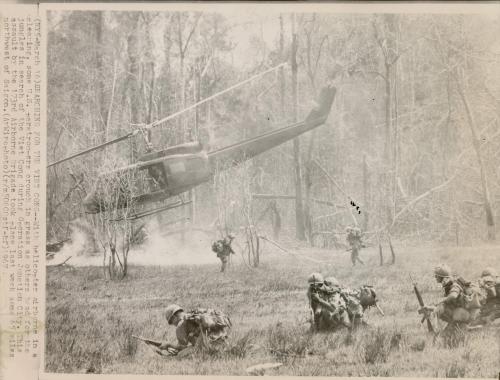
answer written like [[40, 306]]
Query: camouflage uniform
[[333, 295], [451, 308], [223, 250], [491, 287], [334, 306], [314, 297], [354, 240], [354, 307], [196, 325]]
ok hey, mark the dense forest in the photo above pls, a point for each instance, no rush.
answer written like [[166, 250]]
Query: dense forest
[[411, 149]]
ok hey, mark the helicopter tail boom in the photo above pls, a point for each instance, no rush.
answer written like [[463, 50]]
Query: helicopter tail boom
[[245, 150]]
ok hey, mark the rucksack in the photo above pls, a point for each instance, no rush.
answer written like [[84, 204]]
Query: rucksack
[[209, 319], [217, 246], [367, 296], [472, 295]]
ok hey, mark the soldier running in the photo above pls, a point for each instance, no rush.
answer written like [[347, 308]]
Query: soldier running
[[223, 250], [354, 236]]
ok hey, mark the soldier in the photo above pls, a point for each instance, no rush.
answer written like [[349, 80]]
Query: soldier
[[315, 281], [223, 250], [327, 305], [198, 324], [334, 296], [354, 307], [354, 236], [491, 287], [450, 308]]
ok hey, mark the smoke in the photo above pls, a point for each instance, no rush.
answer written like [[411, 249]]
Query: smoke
[[157, 250], [194, 249]]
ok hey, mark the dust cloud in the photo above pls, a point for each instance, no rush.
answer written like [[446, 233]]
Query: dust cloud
[[157, 250]]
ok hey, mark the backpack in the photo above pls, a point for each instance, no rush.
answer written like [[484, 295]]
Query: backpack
[[217, 246], [367, 296], [213, 323], [472, 295]]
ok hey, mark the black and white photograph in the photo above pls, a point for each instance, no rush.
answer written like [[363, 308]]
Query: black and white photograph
[[245, 190]]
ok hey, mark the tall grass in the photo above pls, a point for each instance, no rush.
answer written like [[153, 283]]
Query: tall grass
[[90, 323]]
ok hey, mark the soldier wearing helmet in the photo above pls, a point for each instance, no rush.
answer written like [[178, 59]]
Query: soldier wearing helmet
[[223, 250], [327, 303], [332, 282], [354, 236], [452, 289], [489, 282], [189, 326], [490, 286], [489, 275], [315, 298], [316, 283], [335, 297], [451, 307]]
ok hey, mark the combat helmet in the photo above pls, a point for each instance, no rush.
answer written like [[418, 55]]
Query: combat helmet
[[331, 281], [489, 272], [442, 270], [315, 278], [170, 312]]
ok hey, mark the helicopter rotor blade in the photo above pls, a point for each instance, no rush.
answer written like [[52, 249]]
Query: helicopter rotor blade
[[169, 117], [110, 142]]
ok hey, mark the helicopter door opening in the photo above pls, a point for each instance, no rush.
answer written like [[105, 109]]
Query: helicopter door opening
[[157, 173]]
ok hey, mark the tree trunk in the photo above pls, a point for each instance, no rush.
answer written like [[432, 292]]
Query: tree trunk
[[365, 194], [134, 86], [490, 220], [299, 212], [99, 22], [387, 145], [281, 71]]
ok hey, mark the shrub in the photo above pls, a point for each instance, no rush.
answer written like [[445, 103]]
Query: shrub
[[455, 369], [288, 342], [376, 346], [239, 347]]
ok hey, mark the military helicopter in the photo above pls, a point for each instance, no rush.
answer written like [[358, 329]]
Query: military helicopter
[[180, 168]]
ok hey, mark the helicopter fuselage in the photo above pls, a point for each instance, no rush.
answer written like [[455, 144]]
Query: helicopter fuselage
[[178, 169]]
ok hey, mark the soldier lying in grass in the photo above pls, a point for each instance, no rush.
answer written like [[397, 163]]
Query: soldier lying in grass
[[199, 326]]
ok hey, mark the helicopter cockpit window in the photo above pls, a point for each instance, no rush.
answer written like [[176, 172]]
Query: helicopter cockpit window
[[157, 173]]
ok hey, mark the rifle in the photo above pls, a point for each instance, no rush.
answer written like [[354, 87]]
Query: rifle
[[422, 304], [155, 345]]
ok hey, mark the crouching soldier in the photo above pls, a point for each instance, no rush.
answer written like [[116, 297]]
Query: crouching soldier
[[490, 285], [199, 326], [451, 308], [223, 250], [328, 307], [354, 307], [337, 314], [316, 303]]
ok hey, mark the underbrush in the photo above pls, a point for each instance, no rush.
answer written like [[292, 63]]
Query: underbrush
[[90, 322]]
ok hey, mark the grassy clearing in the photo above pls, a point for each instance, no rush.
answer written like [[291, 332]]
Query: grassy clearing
[[90, 321]]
